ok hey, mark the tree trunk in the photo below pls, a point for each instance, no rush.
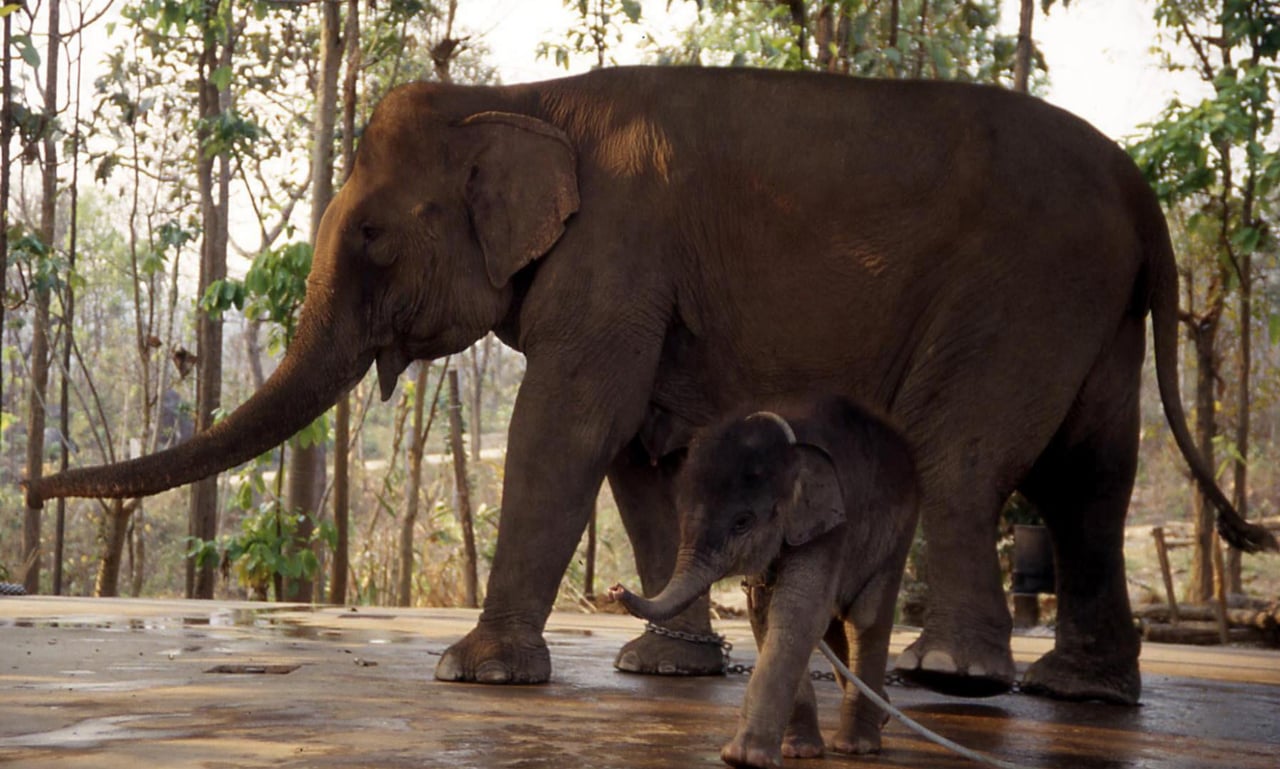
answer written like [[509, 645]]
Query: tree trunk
[[68, 341], [1240, 493], [342, 413], [6, 136], [463, 492], [1204, 338], [111, 531], [480, 355], [213, 268], [1022, 55], [31, 554], [306, 463], [417, 446]]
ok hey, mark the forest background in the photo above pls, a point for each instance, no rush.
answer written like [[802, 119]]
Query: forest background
[[165, 163]]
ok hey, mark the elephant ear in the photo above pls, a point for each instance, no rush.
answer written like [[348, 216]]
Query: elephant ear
[[523, 187], [817, 504]]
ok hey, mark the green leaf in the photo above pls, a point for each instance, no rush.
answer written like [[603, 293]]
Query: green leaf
[[26, 50], [9, 8], [220, 78], [1273, 327], [1246, 239]]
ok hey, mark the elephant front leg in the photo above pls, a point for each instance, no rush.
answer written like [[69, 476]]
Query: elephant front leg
[[803, 736], [644, 493], [563, 433], [779, 713]]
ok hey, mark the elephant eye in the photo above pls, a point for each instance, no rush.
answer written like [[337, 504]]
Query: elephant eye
[[743, 523], [368, 233]]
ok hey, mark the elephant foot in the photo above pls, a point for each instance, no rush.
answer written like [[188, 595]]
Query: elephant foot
[[491, 654], [748, 752], [1066, 676], [857, 745], [803, 741], [660, 655], [938, 665]]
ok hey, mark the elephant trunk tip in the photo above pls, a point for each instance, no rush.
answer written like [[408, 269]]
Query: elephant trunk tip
[[629, 600]]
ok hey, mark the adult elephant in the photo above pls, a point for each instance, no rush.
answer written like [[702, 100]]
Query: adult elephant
[[664, 244]]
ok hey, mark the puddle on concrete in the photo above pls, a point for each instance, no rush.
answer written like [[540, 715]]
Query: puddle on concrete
[[94, 732]]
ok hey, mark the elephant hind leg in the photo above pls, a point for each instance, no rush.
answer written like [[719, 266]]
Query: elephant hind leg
[[645, 498], [963, 650], [1081, 486]]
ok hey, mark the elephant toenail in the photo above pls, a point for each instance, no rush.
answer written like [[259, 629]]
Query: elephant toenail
[[493, 673], [667, 668], [977, 670], [448, 669], [629, 662], [908, 660], [938, 662]]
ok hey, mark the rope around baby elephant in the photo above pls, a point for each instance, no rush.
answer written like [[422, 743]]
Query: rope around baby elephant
[[906, 720]]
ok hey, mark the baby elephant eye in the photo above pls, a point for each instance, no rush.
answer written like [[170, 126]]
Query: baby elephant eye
[[743, 522]]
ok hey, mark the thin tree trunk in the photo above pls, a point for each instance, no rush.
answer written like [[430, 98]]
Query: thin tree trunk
[[463, 492], [1022, 54], [1240, 493], [404, 588], [1204, 337], [306, 463], [68, 340], [213, 268], [6, 136], [895, 12], [111, 531], [918, 71], [40, 327], [589, 573], [342, 414]]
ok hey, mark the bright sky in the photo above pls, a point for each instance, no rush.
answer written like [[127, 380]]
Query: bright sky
[[1098, 51]]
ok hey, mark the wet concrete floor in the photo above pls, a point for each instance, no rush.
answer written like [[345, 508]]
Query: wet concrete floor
[[128, 683]]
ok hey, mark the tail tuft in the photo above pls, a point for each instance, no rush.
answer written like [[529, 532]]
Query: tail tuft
[[1245, 536]]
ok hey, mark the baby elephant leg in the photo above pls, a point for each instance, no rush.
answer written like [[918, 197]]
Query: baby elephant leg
[[803, 737], [871, 618], [795, 619]]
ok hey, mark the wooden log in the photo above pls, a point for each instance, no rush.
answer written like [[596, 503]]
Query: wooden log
[[1266, 618], [1198, 634]]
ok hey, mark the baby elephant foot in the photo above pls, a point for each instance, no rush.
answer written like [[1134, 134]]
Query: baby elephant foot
[[856, 744], [748, 752], [798, 745], [653, 654]]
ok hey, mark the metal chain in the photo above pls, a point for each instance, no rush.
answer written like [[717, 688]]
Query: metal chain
[[714, 639]]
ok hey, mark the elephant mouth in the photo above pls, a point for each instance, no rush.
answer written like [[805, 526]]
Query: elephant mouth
[[391, 362]]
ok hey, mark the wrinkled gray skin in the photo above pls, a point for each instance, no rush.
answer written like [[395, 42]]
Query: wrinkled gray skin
[[817, 501], [667, 244]]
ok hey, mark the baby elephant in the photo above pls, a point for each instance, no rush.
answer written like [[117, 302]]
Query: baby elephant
[[816, 503]]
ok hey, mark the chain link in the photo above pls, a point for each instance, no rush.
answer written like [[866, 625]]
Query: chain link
[[714, 639]]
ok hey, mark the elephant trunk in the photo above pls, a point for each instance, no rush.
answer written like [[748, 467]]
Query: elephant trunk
[[692, 578], [308, 381]]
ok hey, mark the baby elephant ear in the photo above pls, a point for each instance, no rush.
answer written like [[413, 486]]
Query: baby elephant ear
[[817, 504], [522, 189]]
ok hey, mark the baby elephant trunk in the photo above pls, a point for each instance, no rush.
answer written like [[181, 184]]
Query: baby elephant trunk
[[690, 581]]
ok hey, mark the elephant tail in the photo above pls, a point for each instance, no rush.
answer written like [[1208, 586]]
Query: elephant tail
[[1163, 277]]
